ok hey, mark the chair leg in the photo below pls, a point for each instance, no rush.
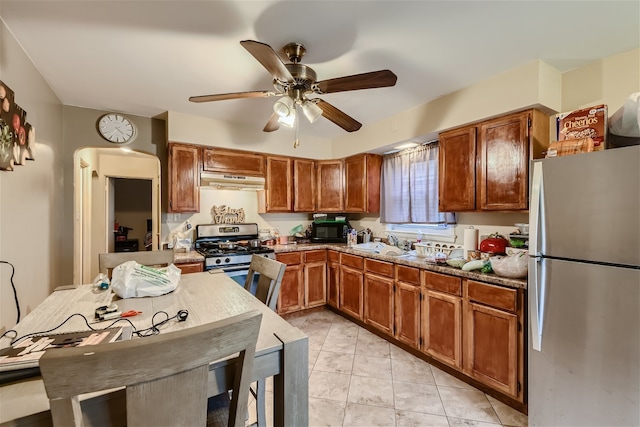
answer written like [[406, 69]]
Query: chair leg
[[261, 403]]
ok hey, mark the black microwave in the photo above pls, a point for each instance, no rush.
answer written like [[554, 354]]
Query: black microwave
[[330, 231]]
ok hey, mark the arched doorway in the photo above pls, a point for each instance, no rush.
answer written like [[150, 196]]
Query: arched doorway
[[99, 174]]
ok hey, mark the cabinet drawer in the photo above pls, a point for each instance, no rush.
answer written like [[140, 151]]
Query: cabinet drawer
[[378, 267], [408, 274], [190, 267], [494, 296], [443, 283], [334, 256], [351, 260], [290, 258], [315, 256]]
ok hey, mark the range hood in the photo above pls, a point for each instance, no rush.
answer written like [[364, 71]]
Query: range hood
[[231, 182]]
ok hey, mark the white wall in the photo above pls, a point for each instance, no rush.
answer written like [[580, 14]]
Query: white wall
[[31, 196]]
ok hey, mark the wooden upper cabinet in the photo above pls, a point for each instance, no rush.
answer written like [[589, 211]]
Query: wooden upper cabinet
[[485, 166], [457, 170], [503, 158], [362, 183], [329, 186], [278, 185], [236, 162], [304, 185], [184, 178]]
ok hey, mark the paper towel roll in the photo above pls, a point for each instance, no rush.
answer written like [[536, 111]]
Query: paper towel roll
[[470, 241]]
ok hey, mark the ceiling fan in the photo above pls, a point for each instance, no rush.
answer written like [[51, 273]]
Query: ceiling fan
[[295, 83]]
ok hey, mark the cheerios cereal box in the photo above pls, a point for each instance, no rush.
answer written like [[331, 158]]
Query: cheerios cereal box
[[588, 122]]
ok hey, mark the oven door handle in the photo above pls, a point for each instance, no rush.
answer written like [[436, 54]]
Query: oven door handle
[[236, 270]]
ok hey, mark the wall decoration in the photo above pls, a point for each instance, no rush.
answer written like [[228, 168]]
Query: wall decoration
[[225, 215], [17, 137]]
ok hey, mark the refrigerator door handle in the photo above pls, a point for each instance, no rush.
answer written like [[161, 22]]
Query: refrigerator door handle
[[536, 299], [536, 277], [535, 209]]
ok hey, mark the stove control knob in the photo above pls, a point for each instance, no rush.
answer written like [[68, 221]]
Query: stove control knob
[[227, 260], [218, 261]]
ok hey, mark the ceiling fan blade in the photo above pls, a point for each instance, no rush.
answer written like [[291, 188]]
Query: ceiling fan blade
[[272, 124], [338, 117], [269, 59], [373, 79], [234, 95]]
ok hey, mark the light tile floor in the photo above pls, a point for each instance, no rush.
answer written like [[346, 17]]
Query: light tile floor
[[358, 379]]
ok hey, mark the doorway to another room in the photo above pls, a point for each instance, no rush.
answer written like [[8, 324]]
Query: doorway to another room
[[113, 185]]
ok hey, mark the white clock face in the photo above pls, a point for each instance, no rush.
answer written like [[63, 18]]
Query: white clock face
[[116, 128]]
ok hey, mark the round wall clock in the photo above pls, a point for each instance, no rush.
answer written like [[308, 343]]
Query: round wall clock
[[116, 128]]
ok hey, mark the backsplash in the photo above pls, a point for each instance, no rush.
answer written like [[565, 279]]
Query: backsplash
[[486, 222]]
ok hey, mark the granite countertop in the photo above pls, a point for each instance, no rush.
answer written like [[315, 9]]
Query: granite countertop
[[411, 261], [183, 257]]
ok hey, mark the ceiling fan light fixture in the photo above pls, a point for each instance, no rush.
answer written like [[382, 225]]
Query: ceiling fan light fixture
[[311, 111], [288, 121], [284, 107]]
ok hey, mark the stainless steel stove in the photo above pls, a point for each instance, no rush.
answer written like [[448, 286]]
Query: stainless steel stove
[[226, 246]]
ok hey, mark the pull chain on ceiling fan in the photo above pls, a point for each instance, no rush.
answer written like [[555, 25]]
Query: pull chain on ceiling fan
[[294, 82]]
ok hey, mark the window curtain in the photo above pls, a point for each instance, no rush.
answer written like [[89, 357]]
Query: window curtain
[[409, 187]]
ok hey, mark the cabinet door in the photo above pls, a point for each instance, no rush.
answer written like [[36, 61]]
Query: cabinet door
[[351, 291], [442, 327], [457, 170], [362, 183], [278, 184], [378, 302], [184, 178], [333, 284], [236, 162], [491, 342], [330, 186], [407, 314], [315, 280], [291, 297], [503, 159], [304, 185]]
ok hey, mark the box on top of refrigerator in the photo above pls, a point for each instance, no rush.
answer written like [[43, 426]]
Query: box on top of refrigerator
[[588, 122]]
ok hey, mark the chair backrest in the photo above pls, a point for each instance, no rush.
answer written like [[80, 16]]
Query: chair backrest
[[165, 375], [107, 262], [271, 273]]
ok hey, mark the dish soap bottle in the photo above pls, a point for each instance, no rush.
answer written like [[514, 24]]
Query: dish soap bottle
[[419, 236]]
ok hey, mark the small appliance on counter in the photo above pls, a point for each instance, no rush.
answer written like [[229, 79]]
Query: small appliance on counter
[[329, 231]]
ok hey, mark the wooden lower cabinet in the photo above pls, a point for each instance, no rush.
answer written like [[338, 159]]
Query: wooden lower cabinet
[[351, 291], [190, 267], [315, 278], [493, 337], [378, 302], [442, 318], [442, 327], [291, 296], [407, 305], [333, 278]]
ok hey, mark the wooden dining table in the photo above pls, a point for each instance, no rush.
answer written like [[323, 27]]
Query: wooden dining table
[[281, 351]]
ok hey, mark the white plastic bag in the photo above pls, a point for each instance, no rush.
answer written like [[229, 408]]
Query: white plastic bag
[[130, 279]]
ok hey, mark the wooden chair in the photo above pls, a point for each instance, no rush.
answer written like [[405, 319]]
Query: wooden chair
[[107, 262], [267, 291], [271, 273], [165, 376]]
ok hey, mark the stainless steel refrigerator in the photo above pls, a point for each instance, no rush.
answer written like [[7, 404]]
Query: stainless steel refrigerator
[[584, 290]]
